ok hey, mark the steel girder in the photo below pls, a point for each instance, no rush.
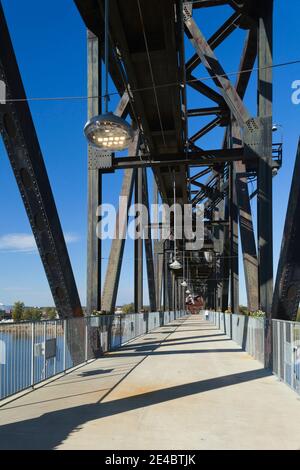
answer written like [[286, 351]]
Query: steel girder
[[93, 301], [27, 162], [229, 106], [287, 289]]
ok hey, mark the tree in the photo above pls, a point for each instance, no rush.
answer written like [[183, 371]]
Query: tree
[[32, 314], [18, 311], [128, 308], [50, 313]]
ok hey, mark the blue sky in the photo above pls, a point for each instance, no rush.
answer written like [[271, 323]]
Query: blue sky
[[50, 43]]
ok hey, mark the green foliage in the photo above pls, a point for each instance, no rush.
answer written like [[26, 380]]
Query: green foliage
[[96, 313], [50, 313], [257, 313], [243, 310], [18, 311], [128, 308], [32, 314]]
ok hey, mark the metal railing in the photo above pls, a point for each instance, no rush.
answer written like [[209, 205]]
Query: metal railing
[[33, 352], [248, 332], [286, 352]]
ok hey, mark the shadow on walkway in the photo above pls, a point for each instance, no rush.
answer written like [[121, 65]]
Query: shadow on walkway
[[50, 429]]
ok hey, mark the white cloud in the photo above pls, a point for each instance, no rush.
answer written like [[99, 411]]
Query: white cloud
[[25, 242]]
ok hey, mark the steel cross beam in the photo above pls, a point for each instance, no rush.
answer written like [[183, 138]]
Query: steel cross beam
[[211, 125], [209, 3], [199, 158], [217, 38], [27, 162], [216, 71], [206, 90]]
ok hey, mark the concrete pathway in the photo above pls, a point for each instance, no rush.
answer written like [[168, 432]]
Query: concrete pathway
[[184, 386]]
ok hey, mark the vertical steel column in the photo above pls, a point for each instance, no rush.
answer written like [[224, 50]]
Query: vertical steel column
[[111, 283], [218, 247], [226, 252], [264, 209], [138, 247], [246, 226], [94, 182], [287, 288], [234, 243], [148, 246], [157, 247], [167, 278]]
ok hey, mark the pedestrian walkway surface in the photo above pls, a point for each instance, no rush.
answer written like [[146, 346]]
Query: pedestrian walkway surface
[[182, 386]]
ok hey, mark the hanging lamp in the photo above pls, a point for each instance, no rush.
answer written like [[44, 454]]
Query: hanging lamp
[[175, 265], [108, 131]]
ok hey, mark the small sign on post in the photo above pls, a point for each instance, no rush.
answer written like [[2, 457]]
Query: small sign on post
[[2, 92], [50, 349], [2, 352]]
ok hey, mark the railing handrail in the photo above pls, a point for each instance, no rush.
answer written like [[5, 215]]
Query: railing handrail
[[112, 315]]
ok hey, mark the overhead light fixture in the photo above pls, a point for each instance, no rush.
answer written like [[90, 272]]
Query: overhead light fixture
[[208, 255], [184, 284], [108, 131], [175, 265], [276, 127], [187, 291]]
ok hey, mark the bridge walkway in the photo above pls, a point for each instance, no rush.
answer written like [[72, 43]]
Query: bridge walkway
[[182, 386]]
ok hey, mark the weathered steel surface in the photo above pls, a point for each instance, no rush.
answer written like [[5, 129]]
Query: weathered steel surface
[[148, 246], [138, 245], [216, 71], [94, 183], [264, 184], [287, 288], [27, 162]]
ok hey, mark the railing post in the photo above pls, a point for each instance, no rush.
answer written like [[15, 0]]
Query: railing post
[[44, 350], [65, 342], [86, 339], [56, 347], [32, 353]]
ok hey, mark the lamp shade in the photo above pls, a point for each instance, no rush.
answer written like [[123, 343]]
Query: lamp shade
[[175, 265], [208, 255], [108, 132]]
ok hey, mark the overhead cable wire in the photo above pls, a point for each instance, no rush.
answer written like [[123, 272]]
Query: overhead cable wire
[[151, 71], [166, 85]]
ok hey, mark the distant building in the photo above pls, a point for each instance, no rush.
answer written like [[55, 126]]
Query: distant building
[[118, 310], [5, 312]]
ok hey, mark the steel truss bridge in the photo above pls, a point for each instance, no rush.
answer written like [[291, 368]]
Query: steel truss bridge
[[152, 70]]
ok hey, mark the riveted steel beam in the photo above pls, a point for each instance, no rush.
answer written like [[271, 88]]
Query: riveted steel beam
[[216, 71], [148, 247], [287, 289], [216, 39], [27, 162]]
